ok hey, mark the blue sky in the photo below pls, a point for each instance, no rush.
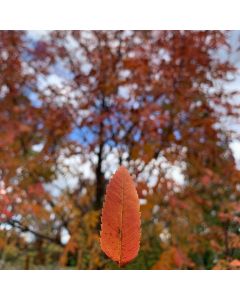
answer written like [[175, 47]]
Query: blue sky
[[85, 135]]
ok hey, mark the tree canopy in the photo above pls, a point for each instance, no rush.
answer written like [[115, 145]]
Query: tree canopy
[[75, 105]]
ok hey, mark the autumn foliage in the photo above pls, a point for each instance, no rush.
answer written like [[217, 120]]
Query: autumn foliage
[[75, 105], [120, 228]]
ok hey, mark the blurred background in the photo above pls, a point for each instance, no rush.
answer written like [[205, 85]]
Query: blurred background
[[74, 105]]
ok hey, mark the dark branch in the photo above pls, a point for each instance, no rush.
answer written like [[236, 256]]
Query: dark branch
[[24, 228]]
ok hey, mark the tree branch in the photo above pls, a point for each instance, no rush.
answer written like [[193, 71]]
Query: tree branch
[[24, 228]]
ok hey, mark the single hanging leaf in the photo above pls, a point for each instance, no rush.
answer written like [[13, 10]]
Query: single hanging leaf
[[120, 230]]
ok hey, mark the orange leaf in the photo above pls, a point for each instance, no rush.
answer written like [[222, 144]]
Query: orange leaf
[[120, 230]]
